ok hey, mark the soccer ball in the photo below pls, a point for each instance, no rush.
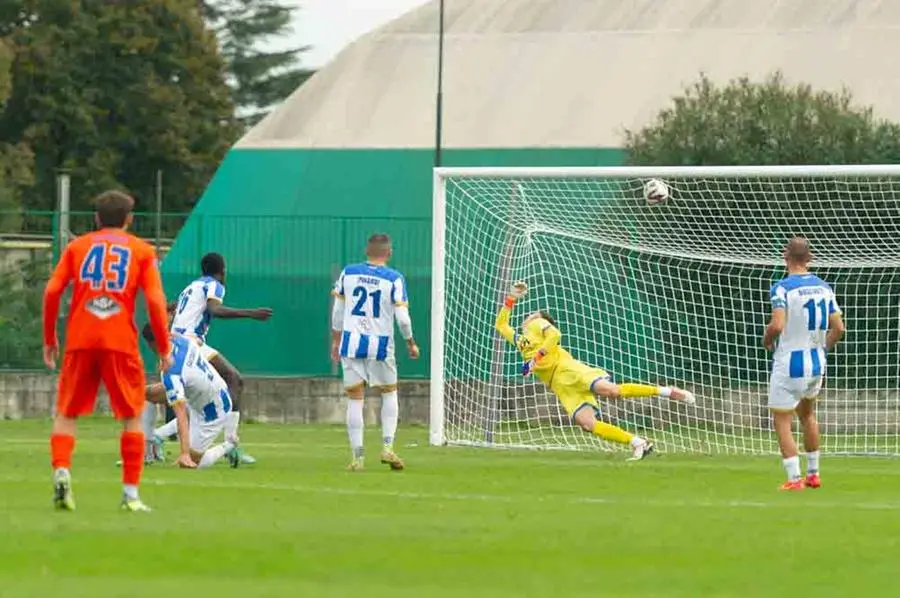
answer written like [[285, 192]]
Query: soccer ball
[[655, 191]]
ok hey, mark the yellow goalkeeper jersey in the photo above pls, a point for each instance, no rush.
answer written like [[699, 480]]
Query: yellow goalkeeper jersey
[[538, 334]]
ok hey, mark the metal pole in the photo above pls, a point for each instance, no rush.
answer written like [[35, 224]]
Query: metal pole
[[63, 190], [159, 194], [439, 100]]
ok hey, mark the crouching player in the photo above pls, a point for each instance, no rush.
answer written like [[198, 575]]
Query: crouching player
[[199, 396], [575, 384]]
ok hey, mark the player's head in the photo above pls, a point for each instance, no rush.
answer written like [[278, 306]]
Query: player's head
[[213, 264], [378, 248], [112, 209], [542, 314], [797, 253]]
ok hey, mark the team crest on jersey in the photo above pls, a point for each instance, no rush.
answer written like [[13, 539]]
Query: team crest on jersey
[[103, 307], [364, 327]]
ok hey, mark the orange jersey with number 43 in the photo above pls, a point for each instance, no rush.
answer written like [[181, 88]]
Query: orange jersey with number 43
[[106, 269]]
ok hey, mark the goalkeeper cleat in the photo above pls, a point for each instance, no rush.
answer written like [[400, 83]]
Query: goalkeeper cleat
[[813, 481], [792, 486], [134, 505], [641, 451], [684, 396], [389, 457], [62, 491], [356, 465]]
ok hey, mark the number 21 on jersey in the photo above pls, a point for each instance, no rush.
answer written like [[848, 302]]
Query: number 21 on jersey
[[105, 267]]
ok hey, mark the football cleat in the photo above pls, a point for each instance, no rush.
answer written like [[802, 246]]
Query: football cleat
[[641, 451], [813, 481], [134, 505], [62, 492], [389, 457], [356, 465], [792, 486], [247, 459]]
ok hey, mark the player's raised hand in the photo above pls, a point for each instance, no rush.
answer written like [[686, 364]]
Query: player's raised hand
[[184, 461], [261, 313], [50, 356], [413, 349], [518, 290]]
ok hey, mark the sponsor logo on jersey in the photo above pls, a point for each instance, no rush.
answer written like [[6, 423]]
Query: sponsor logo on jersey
[[103, 307]]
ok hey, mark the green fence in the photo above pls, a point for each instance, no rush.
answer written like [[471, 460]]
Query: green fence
[[287, 263]]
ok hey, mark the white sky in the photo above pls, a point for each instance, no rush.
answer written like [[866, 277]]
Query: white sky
[[329, 25]]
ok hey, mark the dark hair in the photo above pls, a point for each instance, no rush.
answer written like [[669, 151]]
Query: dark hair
[[212, 264], [797, 251], [377, 245], [546, 315], [113, 208]]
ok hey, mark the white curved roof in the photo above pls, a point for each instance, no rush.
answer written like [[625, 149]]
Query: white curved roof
[[576, 73]]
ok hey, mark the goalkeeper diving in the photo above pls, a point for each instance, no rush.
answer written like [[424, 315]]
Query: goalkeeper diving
[[575, 384]]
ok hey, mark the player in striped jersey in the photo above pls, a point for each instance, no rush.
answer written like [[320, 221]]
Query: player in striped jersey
[[806, 322], [367, 299]]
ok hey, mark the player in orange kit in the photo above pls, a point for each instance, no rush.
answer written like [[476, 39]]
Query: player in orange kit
[[106, 268]]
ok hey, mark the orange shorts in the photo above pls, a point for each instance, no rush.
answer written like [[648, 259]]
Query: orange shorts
[[79, 380]]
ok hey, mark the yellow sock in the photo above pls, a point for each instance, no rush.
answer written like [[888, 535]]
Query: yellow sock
[[638, 390], [612, 433]]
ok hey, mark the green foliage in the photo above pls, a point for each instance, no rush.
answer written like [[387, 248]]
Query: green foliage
[[259, 78], [113, 92], [771, 122], [21, 295], [16, 161]]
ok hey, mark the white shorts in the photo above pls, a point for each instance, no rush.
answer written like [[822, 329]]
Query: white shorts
[[204, 433], [369, 371], [786, 392]]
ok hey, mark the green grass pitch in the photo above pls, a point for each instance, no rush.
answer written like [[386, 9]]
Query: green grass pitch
[[458, 522]]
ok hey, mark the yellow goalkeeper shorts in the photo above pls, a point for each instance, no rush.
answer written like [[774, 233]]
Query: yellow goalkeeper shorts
[[572, 383]]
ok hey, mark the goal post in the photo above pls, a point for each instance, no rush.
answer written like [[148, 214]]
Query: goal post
[[669, 293]]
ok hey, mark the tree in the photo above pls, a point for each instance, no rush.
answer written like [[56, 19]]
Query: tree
[[113, 92], [259, 79], [15, 160], [771, 122], [21, 297]]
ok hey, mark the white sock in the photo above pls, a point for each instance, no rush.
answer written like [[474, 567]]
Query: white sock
[[232, 419], [665, 391], [211, 456], [148, 418], [355, 425], [131, 491], [792, 467], [812, 462], [637, 441], [167, 429], [390, 412], [60, 474]]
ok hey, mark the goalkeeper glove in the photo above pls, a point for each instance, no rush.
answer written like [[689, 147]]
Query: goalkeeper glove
[[518, 290]]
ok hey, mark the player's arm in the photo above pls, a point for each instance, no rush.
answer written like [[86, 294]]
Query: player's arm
[[836, 326], [552, 336], [337, 317], [56, 286], [401, 313], [778, 297], [177, 400], [516, 292], [215, 294], [151, 285]]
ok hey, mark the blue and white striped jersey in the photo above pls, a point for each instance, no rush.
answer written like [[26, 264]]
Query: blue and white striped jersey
[[192, 379], [191, 315], [371, 293], [808, 302]]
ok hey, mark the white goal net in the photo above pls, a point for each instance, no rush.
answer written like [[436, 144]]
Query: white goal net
[[675, 293]]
